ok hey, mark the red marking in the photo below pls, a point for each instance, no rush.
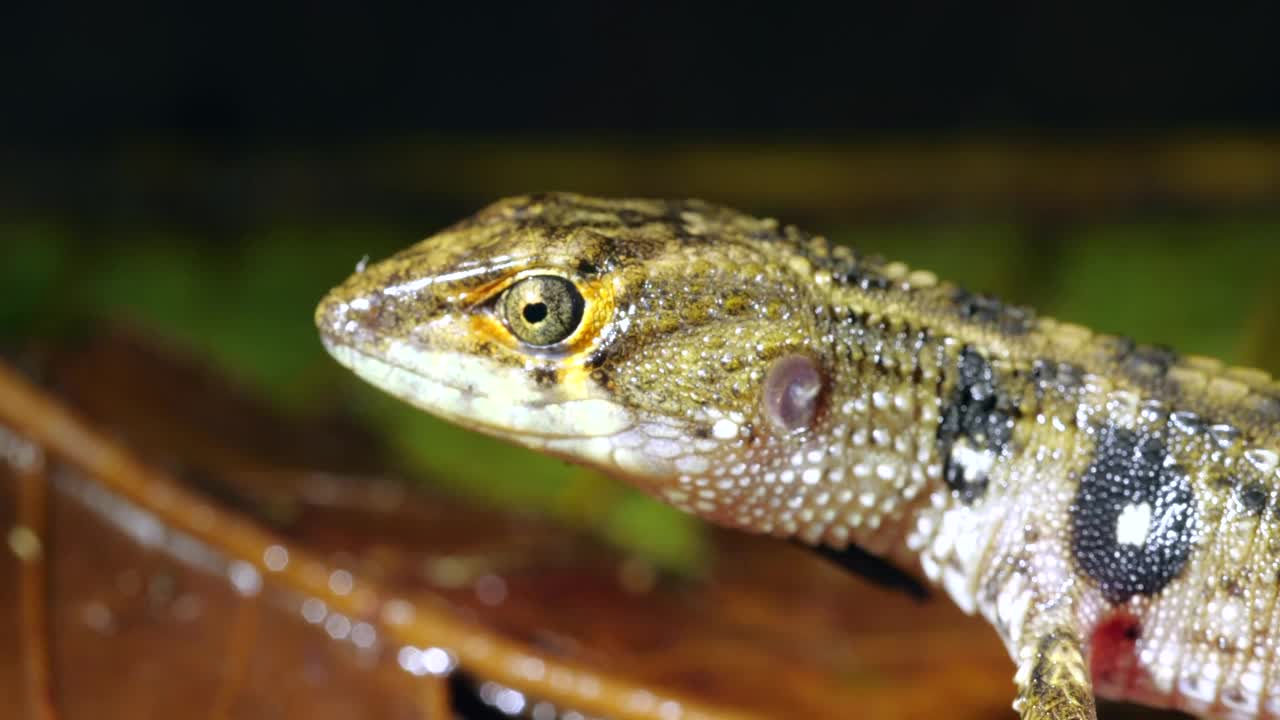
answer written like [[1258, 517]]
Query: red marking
[[1112, 660]]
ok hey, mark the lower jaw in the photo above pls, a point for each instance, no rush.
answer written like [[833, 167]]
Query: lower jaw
[[501, 416]]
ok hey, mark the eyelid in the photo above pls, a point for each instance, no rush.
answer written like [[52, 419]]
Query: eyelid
[[491, 295]]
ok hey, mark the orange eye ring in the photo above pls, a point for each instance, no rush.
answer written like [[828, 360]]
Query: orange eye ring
[[491, 318]]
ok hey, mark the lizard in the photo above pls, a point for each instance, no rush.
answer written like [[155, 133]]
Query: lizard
[[1111, 508]]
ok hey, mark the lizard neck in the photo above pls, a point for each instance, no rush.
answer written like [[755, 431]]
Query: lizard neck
[[899, 436], [914, 425]]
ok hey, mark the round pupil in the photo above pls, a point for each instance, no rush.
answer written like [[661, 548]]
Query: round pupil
[[543, 310], [535, 312]]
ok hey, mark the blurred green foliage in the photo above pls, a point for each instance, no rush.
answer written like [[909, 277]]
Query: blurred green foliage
[[1202, 285]]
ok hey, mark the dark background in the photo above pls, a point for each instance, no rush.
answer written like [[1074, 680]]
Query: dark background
[[91, 74], [227, 115]]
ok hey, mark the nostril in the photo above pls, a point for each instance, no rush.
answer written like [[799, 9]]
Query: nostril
[[342, 315], [365, 311]]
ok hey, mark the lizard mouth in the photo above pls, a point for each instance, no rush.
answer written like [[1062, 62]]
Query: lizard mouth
[[477, 393], [594, 432]]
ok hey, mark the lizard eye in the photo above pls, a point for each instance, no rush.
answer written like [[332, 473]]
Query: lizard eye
[[542, 310]]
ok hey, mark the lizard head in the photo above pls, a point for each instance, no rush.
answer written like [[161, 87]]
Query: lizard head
[[666, 343]]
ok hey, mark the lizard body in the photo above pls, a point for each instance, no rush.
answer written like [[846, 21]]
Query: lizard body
[[1112, 509]]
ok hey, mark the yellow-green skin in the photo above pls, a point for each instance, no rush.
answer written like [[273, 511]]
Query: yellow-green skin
[[1111, 509]]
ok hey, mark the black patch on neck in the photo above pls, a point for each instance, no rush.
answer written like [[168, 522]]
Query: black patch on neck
[[1253, 498], [859, 562], [1009, 319], [862, 278], [980, 415], [1144, 363], [1050, 376], [1130, 473]]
